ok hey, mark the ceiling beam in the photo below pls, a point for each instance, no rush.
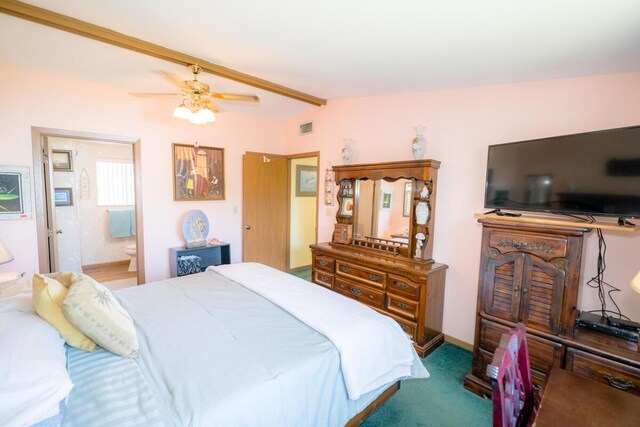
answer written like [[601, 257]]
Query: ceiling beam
[[86, 29]]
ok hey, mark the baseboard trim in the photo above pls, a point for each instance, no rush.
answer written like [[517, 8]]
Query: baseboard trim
[[457, 342], [107, 264]]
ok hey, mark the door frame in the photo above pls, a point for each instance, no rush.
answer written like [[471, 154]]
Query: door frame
[[44, 208], [290, 157]]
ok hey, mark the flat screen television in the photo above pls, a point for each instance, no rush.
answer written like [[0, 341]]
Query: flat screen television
[[595, 173]]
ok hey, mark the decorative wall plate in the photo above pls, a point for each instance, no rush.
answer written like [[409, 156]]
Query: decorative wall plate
[[195, 226]]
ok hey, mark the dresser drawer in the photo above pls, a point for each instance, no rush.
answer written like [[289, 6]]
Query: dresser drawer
[[366, 275], [362, 293], [543, 354], [402, 286], [323, 278], [402, 306], [617, 375], [409, 328], [324, 263]]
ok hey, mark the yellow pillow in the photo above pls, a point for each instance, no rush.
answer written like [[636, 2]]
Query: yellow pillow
[[48, 294]]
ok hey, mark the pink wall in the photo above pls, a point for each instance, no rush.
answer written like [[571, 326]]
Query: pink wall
[[35, 99], [460, 124]]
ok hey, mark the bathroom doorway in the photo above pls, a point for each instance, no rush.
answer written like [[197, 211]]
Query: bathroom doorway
[[87, 205]]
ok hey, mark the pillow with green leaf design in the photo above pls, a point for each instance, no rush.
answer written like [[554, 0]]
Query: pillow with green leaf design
[[92, 308]]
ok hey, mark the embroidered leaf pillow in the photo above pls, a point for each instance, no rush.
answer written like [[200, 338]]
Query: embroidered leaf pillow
[[93, 309]]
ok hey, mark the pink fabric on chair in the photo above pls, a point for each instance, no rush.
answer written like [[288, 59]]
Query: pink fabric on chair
[[512, 390]]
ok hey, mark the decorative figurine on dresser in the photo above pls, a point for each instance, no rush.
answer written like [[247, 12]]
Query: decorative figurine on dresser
[[382, 246], [198, 253]]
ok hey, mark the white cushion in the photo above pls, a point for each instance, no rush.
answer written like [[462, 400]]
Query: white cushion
[[33, 374], [94, 310]]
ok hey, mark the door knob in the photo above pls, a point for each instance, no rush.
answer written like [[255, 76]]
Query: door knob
[[247, 227], [58, 231]]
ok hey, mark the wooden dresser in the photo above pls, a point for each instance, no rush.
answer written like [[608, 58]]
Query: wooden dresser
[[530, 273], [391, 271], [410, 292]]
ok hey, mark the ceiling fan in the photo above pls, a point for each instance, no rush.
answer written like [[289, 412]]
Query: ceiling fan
[[197, 104]]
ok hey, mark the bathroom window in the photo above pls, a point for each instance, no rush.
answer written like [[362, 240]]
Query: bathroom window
[[115, 183]]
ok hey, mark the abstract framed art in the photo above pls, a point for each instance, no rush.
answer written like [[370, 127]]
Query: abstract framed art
[[198, 172], [15, 192]]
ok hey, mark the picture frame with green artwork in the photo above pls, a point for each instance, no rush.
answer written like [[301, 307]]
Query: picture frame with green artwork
[[15, 192]]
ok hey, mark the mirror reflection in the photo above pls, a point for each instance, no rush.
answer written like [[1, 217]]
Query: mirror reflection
[[383, 210]]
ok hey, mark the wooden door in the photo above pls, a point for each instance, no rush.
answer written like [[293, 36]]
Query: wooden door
[[264, 209], [542, 291], [503, 285]]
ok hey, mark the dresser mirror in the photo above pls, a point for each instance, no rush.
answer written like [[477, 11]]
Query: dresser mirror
[[383, 210], [387, 207]]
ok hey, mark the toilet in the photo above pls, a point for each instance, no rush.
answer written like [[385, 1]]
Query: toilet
[[132, 252]]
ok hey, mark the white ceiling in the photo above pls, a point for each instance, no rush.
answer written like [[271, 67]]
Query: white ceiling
[[332, 48]]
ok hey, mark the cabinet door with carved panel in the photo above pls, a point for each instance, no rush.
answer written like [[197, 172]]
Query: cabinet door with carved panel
[[542, 289], [503, 282]]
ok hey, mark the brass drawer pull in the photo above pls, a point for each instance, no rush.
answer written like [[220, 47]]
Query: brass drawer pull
[[402, 305], [401, 285], [374, 277], [345, 269], [371, 296], [357, 292], [619, 383], [404, 327], [323, 263], [324, 278]]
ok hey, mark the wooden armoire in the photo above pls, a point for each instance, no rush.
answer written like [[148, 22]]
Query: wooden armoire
[[530, 273]]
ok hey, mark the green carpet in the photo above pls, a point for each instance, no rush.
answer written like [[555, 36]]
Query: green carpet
[[439, 400], [303, 274]]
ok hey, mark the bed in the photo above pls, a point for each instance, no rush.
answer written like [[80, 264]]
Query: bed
[[241, 345]]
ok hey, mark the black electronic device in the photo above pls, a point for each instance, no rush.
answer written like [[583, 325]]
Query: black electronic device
[[624, 324], [595, 173], [597, 322]]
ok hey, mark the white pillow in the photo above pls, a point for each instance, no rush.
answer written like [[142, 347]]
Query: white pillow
[[33, 374], [94, 310]]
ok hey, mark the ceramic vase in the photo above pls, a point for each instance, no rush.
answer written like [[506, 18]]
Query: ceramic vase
[[347, 153], [419, 143], [422, 213]]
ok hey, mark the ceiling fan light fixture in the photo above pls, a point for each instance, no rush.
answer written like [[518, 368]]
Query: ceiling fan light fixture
[[182, 112], [207, 114], [198, 118]]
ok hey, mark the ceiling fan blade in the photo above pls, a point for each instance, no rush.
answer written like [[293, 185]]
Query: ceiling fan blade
[[170, 77], [235, 97], [150, 94]]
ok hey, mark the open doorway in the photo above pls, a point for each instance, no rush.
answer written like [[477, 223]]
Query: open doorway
[[88, 205], [303, 212]]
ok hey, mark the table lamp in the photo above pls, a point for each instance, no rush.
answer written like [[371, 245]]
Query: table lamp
[[5, 254]]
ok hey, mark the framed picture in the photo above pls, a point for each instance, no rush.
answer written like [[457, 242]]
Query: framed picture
[[15, 192], [198, 173], [406, 209], [385, 201], [62, 160], [306, 181], [346, 207], [63, 196]]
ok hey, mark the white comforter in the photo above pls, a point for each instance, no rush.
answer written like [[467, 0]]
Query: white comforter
[[373, 349]]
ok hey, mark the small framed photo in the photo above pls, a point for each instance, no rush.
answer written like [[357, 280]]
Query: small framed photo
[[62, 160], [346, 207], [386, 201], [406, 210], [306, 181], [63, 196]]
